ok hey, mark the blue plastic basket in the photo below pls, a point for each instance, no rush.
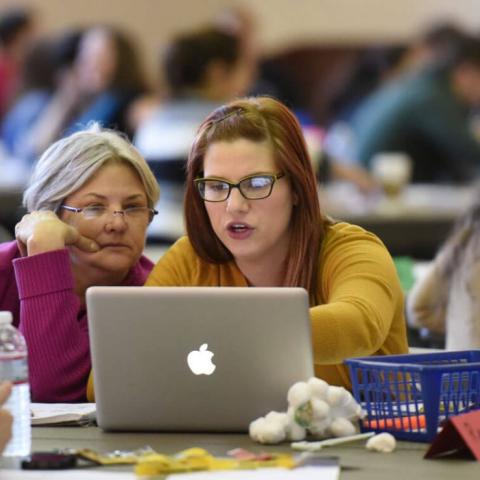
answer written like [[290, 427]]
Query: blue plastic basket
[[411, 395]]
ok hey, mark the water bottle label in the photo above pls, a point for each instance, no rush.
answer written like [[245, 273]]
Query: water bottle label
[[14, 370]]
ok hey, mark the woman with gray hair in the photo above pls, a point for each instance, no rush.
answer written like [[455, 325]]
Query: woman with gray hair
[[90, 200]]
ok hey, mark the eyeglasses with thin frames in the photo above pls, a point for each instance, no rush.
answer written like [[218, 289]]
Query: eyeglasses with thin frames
[[253, 187], [97, 212]]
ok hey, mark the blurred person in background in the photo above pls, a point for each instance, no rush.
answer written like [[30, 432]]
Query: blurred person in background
[[241, 22], [374, 67], [381, 65], [434, 45], [425, 114], [102, 84], [45, 66], [16, 33], [203, 69], [446, 300]]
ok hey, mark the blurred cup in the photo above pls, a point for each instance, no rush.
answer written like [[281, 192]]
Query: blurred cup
[[392, 170]]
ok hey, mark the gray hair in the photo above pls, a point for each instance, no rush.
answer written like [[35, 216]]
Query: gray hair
[[70, 162]]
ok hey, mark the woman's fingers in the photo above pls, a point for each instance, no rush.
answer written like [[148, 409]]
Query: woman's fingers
[[41, 226], [74, 238], [86, 244], [22, 247]]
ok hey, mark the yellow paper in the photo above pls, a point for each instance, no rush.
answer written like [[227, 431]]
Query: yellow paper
[[197, 459]]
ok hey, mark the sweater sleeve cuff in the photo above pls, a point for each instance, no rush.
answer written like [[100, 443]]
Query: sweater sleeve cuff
[[44, 273]]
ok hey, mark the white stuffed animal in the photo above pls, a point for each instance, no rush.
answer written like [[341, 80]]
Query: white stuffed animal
[[315, 408]]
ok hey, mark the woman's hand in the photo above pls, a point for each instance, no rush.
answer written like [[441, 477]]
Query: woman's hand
[[43, 231], [5, 416]]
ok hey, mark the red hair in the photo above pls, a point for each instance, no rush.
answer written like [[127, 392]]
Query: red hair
[[260, 119]]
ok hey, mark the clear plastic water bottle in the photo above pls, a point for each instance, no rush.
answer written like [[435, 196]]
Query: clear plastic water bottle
[[14, 368]]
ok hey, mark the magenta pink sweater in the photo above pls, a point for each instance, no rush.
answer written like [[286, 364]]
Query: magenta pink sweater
[[38, 290]]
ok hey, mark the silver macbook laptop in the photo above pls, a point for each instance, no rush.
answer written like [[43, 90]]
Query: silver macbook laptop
[[195, 358]]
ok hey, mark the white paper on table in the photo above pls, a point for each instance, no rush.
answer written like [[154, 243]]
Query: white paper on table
[[62, 413], [324, 472], [74, 474]]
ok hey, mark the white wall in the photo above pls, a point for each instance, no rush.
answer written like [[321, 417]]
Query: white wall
[[284, 21]]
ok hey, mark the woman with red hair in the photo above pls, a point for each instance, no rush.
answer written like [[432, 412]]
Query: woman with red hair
[[253, 219]]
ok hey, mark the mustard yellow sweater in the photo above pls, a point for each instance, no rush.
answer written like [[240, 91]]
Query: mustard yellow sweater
[[359, 308]]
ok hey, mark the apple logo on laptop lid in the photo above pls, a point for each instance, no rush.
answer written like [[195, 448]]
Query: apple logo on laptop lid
[[200, 361]]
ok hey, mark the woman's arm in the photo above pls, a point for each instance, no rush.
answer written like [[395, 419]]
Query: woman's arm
[[426, 302], [362, 309], [51, 317], [56, 116], [54, 326]]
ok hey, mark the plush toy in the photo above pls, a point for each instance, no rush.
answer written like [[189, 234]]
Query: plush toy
[[314, 408]]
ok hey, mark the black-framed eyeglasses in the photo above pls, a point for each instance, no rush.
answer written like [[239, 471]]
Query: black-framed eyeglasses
[[253, 187], [101, 212]]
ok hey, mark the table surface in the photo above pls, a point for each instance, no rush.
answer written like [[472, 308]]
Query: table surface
[[406, 462], [417, 202]]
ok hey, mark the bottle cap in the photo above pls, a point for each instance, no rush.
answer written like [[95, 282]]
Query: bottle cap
[[5, 317]]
